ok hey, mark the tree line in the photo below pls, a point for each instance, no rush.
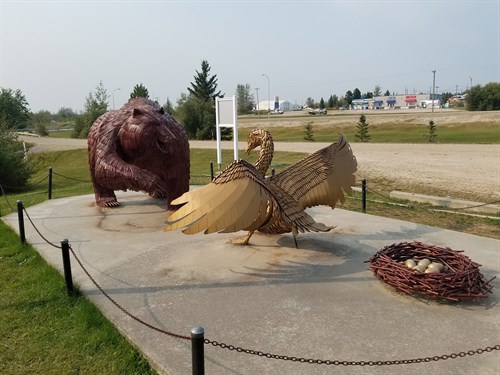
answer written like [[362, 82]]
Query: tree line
[[195, 109]]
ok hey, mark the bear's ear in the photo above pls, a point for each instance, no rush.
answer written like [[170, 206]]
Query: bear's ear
[[136, 112], [162, 111]]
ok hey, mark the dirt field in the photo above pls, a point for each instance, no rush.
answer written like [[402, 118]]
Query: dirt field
[[376, 117], [470, 172]]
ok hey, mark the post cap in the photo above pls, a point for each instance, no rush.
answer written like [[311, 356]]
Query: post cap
[[197, 332]]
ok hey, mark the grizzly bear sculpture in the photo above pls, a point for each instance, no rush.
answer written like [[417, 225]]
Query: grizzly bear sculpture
[[138, 147]]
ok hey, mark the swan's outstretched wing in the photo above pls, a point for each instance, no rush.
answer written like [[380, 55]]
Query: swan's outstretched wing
[[322, 177], [238, 199]]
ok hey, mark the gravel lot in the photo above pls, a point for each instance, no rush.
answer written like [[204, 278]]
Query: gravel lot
[[469, 172]]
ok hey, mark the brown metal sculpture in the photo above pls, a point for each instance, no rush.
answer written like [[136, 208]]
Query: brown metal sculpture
[[141, 148], [242, 198]]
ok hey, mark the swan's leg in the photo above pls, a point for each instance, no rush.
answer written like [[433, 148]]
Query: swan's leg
[[248, 237], [239, 241], [295, 241]]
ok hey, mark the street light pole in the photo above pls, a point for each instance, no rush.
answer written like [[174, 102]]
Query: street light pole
[[433, 88], [268, 95], [114, 97], [258, 110]]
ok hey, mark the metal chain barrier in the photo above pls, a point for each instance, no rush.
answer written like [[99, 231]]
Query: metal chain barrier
[[36, 229], [259, 353], [26, 187], [71, 178], [137, 319], [488, 349], [5, 196], [424, 207]]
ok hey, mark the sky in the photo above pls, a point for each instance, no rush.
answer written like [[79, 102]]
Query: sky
[[57, 52]]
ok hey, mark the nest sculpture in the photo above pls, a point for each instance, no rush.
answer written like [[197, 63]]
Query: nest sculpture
[[459, 279]]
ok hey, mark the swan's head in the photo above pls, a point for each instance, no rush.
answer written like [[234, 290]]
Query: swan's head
[[256, 138]]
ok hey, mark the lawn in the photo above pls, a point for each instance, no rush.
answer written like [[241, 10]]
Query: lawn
[[43, 331], [390, 133]]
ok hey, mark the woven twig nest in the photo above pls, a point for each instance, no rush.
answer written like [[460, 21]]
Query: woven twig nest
[[459, 280]]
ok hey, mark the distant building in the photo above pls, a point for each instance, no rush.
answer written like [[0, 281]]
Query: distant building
[[278, 105], [401, 101]]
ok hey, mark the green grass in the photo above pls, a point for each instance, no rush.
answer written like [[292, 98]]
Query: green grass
[[390, 133], [43, 331]]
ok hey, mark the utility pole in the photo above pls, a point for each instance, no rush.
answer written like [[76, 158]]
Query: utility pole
[[433, 88], [268, 95]]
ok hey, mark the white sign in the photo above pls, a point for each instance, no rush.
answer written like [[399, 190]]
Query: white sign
[[226, 117]]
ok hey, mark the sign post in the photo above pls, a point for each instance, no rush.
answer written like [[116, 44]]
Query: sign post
[[226, 117]]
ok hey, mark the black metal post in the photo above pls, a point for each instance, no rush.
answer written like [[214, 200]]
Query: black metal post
[[68, 278], [197, 350], [20, 218], [363, 194], [50, 183], [273, 171], [211, 171]]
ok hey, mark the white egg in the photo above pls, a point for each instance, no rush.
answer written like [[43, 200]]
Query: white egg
[[424, 262], [410, 263], [431, 269], [420, 268], [437, 265]]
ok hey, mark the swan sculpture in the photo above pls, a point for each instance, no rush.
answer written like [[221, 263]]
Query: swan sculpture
[[242, 198]]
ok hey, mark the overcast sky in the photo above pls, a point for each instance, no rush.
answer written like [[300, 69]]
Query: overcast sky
[[56, 52]]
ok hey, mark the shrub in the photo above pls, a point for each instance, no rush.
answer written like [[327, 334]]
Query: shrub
[[362, 130], [309, 136], [13, 164]]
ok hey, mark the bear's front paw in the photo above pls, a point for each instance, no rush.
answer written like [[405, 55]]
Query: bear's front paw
[[107, 202]]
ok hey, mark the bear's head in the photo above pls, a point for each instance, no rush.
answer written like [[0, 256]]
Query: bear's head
[[146, 131]]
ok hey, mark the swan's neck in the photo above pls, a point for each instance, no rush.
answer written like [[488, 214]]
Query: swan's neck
[[265, 155]]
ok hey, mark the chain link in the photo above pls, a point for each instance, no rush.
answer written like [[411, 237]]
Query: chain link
[[329, 362]]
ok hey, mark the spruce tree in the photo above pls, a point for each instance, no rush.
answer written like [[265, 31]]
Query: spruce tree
[[362, 132], [204, 87], [197, 110], [431, 132], [140, 91], [309, 132]]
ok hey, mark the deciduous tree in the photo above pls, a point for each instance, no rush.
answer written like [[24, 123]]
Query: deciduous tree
[[485, 98], [14, 108], [333, 101], [356, 94], [96, 104], [244, 99]]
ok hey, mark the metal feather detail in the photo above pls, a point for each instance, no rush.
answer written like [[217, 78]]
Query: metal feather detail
[[242, 198]]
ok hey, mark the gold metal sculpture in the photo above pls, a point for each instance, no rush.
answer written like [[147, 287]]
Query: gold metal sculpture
[[242, 198]]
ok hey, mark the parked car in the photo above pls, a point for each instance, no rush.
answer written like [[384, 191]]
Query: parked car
[[318, 111]]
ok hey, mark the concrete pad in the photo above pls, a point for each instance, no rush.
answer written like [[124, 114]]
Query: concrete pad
[[318, 302]]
